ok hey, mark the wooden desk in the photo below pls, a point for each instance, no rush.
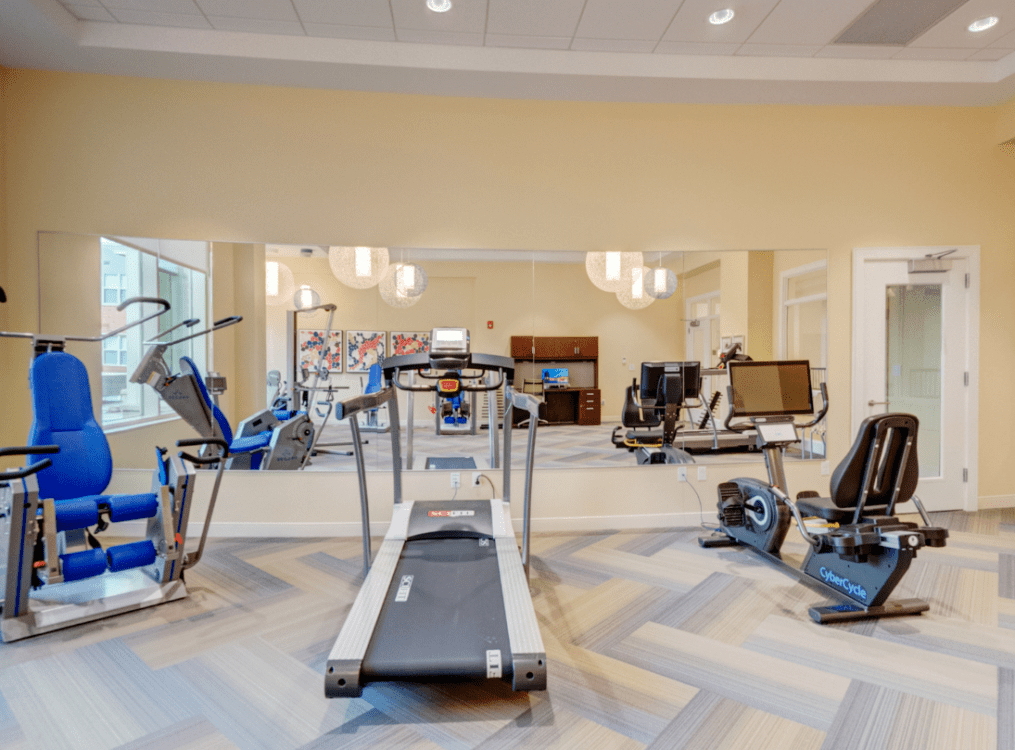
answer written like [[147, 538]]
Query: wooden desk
[[576, 405], [570, 406]]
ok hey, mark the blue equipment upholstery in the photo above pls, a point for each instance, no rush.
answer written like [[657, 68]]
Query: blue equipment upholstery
[[227, 432], [62, 415], [374, 379], [242, 445]]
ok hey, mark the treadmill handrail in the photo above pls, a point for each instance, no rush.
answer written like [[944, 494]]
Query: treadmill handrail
[[363, 402]]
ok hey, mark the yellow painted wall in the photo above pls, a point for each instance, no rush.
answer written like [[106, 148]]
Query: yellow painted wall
[[132, 156]]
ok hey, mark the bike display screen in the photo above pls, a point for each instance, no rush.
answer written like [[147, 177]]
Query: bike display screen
[[771, 389]]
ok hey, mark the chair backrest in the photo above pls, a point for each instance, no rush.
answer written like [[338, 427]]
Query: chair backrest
[[632, 416], [881, 469], [375, 380], [188, 367], [62, 415]]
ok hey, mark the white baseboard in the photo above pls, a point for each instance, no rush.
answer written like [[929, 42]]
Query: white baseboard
[[989, 502], [232, 529]]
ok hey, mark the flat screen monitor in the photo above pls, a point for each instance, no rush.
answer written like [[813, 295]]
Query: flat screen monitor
[[555, 377], [690, 373], [771, 389]]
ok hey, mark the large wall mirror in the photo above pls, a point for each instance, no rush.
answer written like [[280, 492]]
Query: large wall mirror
[[585, 346]]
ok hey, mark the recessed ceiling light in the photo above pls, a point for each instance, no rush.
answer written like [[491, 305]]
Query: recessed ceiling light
[[983, 24], [439, 6], [721, 17]]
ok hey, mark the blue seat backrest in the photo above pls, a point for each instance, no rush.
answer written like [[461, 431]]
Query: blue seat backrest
[[374, 380], [62, 415], [188, 367]]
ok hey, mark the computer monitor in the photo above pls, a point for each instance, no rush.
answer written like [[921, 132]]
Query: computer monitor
[[555, 377], [690, 373], [771, 389]]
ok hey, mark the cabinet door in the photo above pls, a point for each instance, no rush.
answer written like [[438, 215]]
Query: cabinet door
[[552, 347], [587, 346], [521, 347]]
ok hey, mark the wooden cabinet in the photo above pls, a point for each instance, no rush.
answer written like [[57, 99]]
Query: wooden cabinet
[[580, 354], [559, 348], [589, 411]]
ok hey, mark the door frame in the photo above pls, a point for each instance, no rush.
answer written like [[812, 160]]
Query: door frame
[[971, 253]]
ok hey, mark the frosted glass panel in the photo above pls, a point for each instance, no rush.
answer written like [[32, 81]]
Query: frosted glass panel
[[913, 376], [806, 331]]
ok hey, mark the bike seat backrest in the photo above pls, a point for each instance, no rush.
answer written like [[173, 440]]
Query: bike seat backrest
[[633, 417], [187, 367], [62, 415], [877, 455], [375, 381], [670, 389]]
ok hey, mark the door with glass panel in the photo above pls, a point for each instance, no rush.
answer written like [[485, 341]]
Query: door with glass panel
[[702, 318], [913, 353]]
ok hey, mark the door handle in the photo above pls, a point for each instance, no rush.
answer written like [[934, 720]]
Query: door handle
[[872, 402]]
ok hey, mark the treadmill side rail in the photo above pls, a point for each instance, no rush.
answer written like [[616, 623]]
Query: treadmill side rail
[[342, 675], [527, 650]]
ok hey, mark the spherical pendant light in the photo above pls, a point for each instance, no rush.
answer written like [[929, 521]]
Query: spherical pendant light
[[608, 270], [661, 283], [634, 294], [403, 284], [306, 298], [358, 267], [279, 284]]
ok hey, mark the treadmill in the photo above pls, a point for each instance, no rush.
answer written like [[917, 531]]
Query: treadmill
[[447, 596]]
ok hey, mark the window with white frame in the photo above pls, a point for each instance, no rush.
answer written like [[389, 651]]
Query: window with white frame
[[804, 315], [130, 270]]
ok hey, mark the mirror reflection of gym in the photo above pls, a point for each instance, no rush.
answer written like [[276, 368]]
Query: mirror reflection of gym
[[773, 302]]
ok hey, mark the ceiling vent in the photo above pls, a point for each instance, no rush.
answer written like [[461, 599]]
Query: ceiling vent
[[897, 22]]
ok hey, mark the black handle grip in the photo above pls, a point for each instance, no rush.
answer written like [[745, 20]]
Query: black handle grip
[[203, 441], [137, 300], [231, 320], [25, 472], [29, 450], [197, 460]]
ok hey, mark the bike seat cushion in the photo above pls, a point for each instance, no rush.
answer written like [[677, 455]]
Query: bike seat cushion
[[251, 443], [824, 507], [62, 415]]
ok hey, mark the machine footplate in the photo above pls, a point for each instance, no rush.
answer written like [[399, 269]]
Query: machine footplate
[[717, 539], [850, 612]]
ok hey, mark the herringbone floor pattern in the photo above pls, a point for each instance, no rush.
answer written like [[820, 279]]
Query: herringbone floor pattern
[[651, 640]]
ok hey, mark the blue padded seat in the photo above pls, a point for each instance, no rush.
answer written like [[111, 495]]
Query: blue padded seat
[[252, 443], [62, 415], [284, 415]]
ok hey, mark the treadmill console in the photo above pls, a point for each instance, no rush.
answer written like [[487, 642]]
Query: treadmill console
[[449, 348]]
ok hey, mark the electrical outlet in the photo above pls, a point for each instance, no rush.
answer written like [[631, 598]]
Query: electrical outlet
[[682, 474], [456, 480], [702, 473], [631, 368], [824, 468], [476, 475]]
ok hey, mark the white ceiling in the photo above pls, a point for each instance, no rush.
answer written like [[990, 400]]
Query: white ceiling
[[779, 51]]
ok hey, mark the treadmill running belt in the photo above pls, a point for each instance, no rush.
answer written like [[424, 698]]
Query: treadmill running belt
[[452, 615], [450, 462]]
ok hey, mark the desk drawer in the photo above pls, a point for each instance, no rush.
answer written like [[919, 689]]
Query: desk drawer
[[589, 410]]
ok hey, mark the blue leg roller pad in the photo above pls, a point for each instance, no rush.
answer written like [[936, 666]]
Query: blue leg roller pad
[[133, 555], [78, 565], [77, 514], [131, 507]]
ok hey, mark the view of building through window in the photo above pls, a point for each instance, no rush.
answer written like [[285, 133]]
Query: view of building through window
[[129, 271]]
